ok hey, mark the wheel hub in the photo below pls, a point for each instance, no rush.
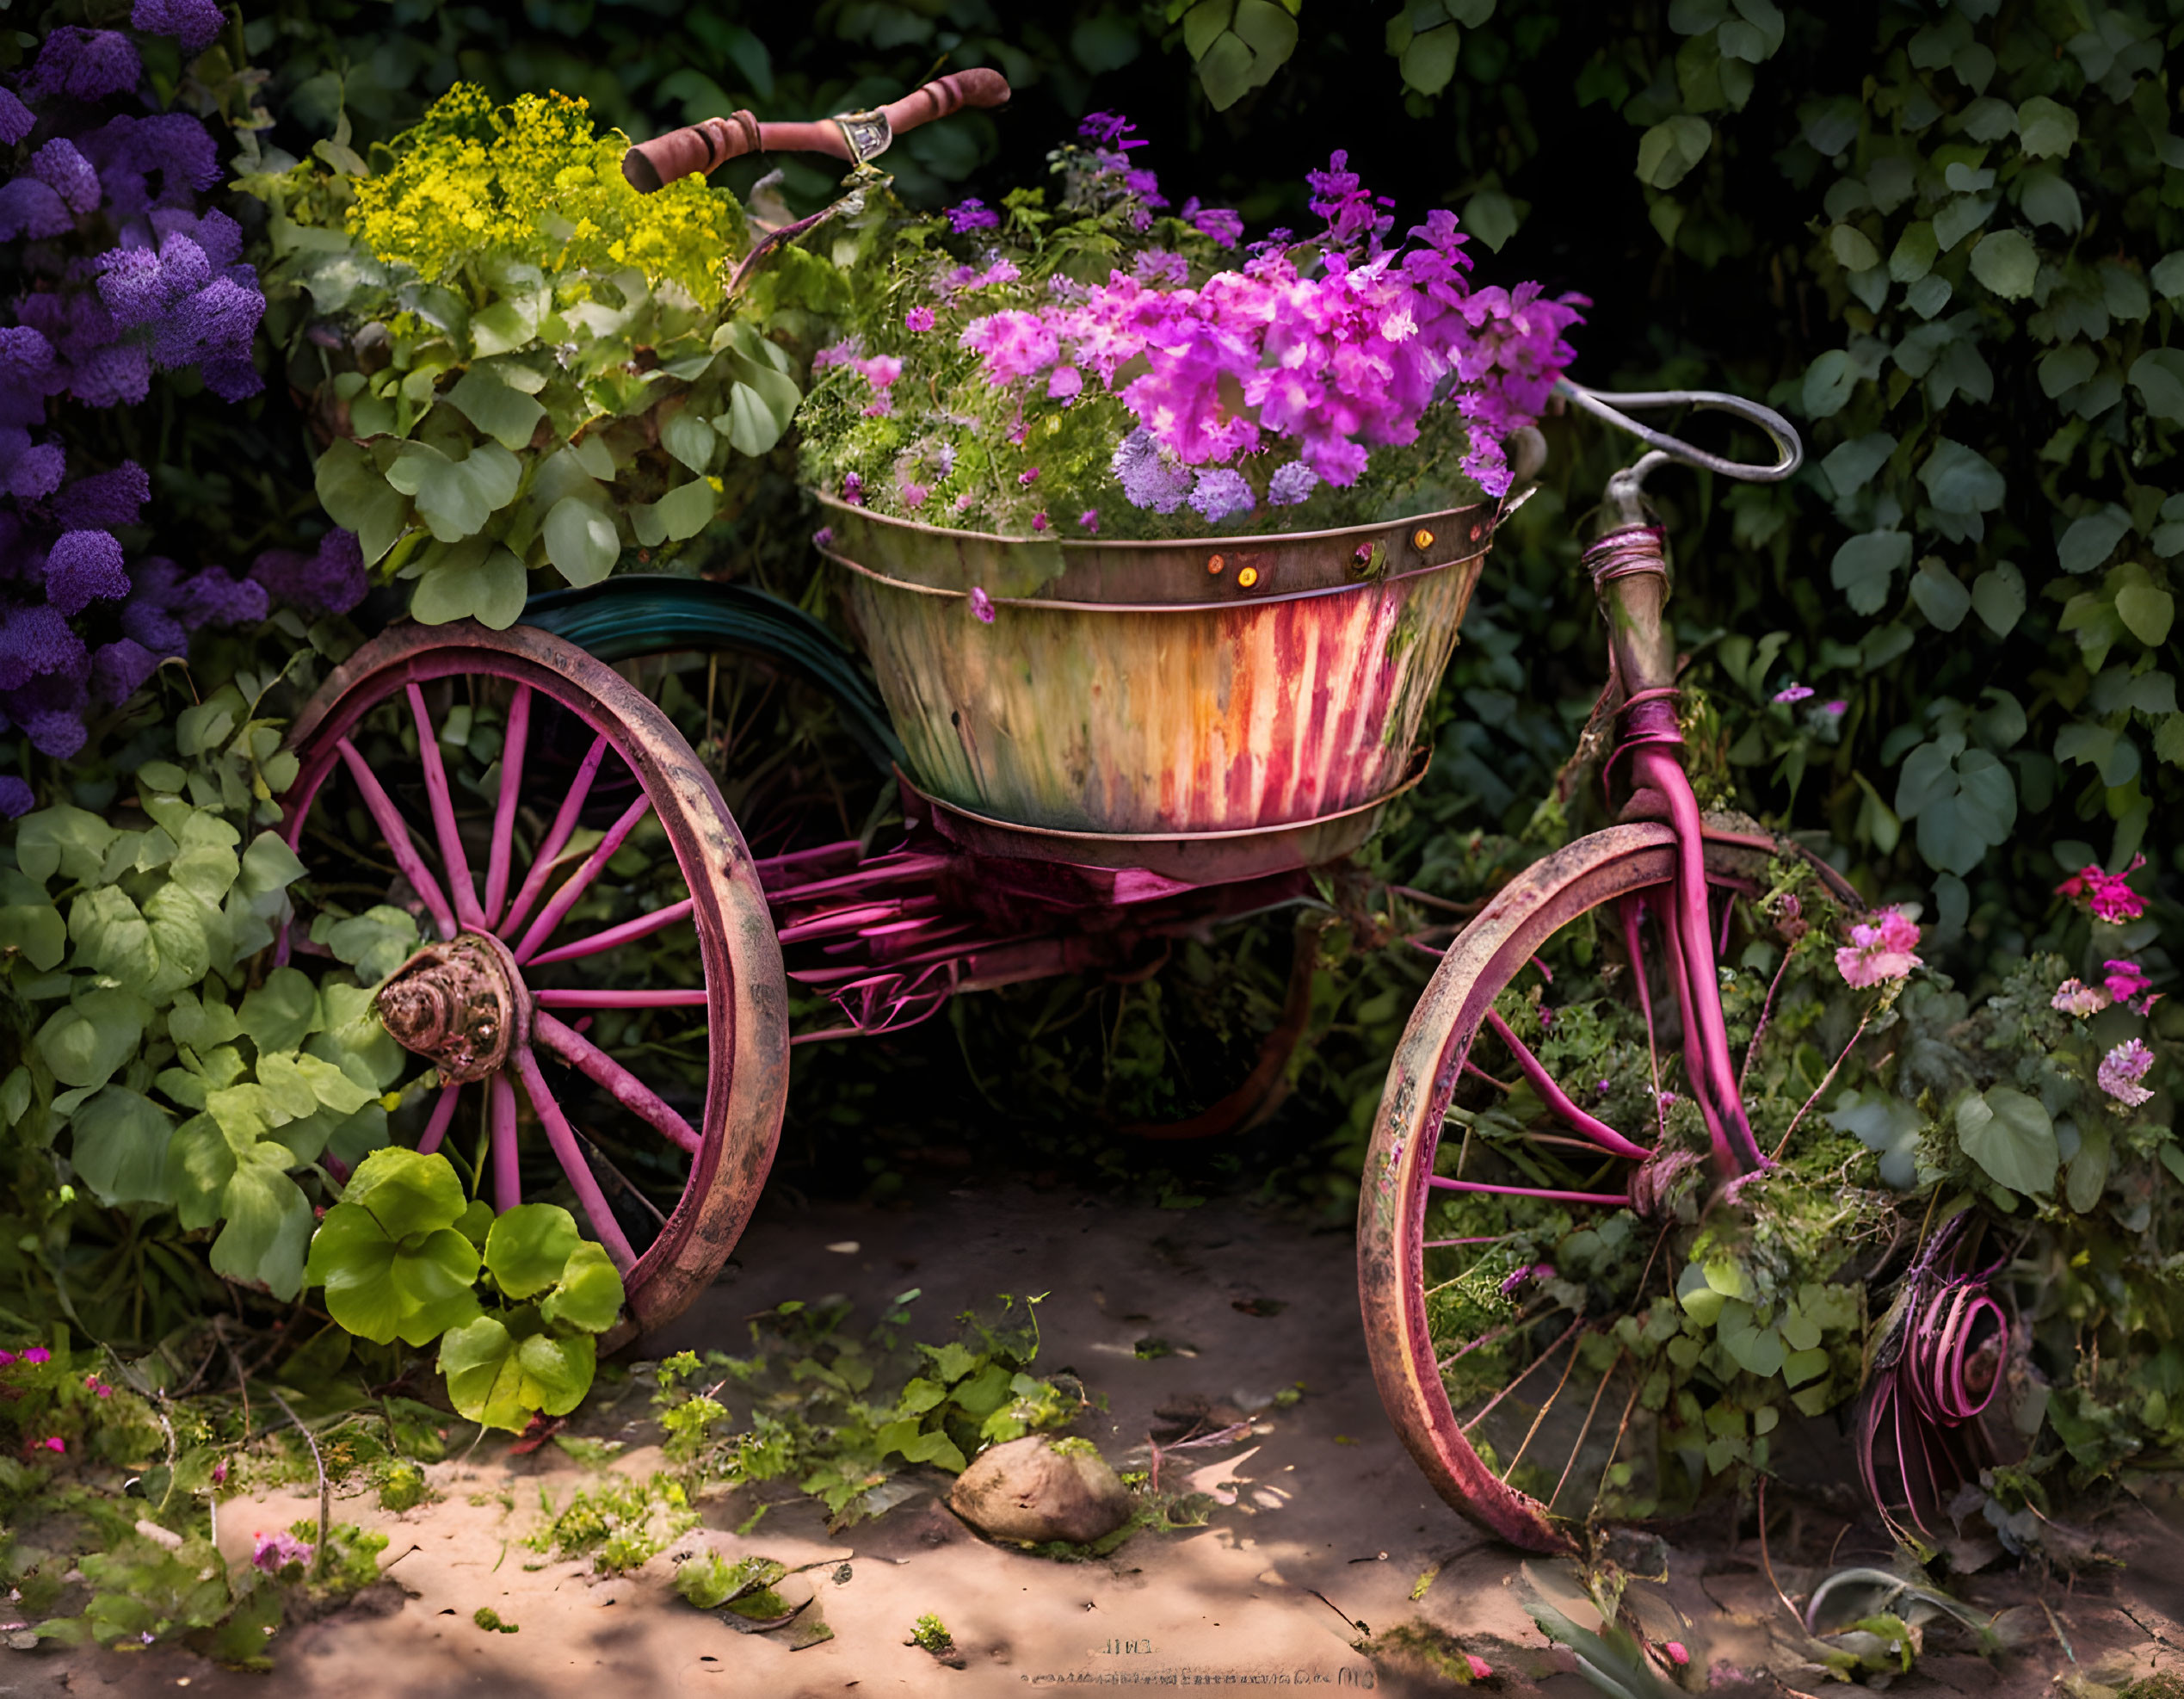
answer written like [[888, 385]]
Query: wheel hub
[[460, 1004]]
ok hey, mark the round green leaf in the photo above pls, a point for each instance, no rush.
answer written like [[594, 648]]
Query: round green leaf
[[556, 1373], [491, 589], [356, 495], [508, 415], [456, 498], [478, 1360], [1756, 1350], [406, 1193], [120, 1147], [1428, 59], [1941, 595], [1864, 565], [2045, 128], [580, 538], [528, 1247], [589, 1294], [2092, 538], [269, 1224], [350, 1256], [1828, 383], [2158, 376], [1959, 480], [2007, 263], [2147, 613], [432, 1284], [2011, 1136], [1853, 248], [86, 1040], [279, 1014], [1668, 151]]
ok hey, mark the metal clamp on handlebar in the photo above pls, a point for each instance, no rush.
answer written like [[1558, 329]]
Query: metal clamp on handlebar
[[865, 134]]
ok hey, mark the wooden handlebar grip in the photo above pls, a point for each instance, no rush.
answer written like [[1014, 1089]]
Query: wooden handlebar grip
[[700, 149], [943, 95]]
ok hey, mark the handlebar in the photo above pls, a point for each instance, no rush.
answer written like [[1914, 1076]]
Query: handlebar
[[858, 136]]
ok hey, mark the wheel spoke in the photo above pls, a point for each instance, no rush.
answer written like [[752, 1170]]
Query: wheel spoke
[[501, 858], [1530, 1433], [626, 1089], [1592, 1411], [573, 888], [1558, 1100], [395, 830], [1630, 909], [643, 926], [564, 1141], [443, 1111], [1484, 1340], [565, 825], [1524, 1374], [452, 862], [578, 997], [1611, 1199], [508, 1174]]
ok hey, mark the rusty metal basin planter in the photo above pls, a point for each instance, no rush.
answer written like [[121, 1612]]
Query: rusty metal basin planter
[[1227, 685]]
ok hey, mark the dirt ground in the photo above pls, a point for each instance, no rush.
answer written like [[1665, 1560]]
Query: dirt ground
[[1323, 1532]]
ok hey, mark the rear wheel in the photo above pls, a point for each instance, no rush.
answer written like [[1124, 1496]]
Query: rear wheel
[[1524, 1390]]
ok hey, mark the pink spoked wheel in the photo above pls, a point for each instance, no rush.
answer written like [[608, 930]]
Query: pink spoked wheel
[[1530, 1394], [566, 933]]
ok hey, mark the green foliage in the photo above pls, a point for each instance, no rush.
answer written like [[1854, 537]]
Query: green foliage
[[930, 1633], [524, 363], [400, 1256]]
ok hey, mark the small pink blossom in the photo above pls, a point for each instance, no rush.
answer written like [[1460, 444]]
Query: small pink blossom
[[1090, 520], [57, 1443], [219, 1473], [1481, 1670], [273, 1553], [824, 537], [2126, 981], [1677, 1653], [1533, 1271], [1065, 383], [962, 503], [98, 1385], [1668, 1101], [2073, 998], [914, 495], [2121, 1070], [1880, 953], [1837, 708], [1027, 479], [2106, 896], [853, 489], [918, 318], [1038, 521], [982, 604], [37, 1354], [1793, 693]]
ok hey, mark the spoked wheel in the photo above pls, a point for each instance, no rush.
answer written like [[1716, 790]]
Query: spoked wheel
[[572, 943], [1530, 1393]]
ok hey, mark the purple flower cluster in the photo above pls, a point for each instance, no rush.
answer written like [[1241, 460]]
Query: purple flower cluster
[[1337, 346], [127, 276]]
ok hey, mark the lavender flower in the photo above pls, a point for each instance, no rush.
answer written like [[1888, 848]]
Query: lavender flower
[[17, 798], [83, 567], [16, 119], [86, 65], [330, 580], [28, 470], [918, 319], [1292, 484], [105, 499], [68, 173], [272, 1552], [1222, 493], [971, 214], [1225, 226], [1090, 520], [1148, 480], [35, 642], [194, 22], [119, 669], [32, 210], [1107, 129], [981, 604]]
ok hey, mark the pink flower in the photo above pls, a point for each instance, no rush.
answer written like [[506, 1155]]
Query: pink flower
[[57, 1443], [2121, 1070], [1880, 953], [2106, 896], [1481, 1670], [219, 1473], [1028, 478], [1066, 383], [853, 489], [1677, 1654], [918, 318], [1793, 693], [982, 604], [962, 503], [37, 1354], [1534, 1271], [2125, 981], [6, 1357], [1015, 345], [914, 494], [824, 537], [2073, 998], [1090, 520], [1038, 521], [1837, 708], [273, 1553]]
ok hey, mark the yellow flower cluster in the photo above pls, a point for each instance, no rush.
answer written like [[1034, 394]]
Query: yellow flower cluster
[[531, 182]]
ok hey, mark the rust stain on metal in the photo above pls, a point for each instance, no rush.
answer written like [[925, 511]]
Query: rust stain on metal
[[1162, 714]]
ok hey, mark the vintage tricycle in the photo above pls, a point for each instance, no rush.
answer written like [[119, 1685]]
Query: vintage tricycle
[[1144, 739]]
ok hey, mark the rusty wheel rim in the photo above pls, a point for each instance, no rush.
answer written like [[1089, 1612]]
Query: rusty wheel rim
[[481, 1001], [1400, 1185]]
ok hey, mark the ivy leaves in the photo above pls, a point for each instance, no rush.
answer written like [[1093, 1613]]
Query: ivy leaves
[[401, 1256], [1237, 45]]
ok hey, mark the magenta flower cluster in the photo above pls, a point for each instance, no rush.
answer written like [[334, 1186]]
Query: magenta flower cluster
[[1880, 951], [1336, 346], [128, 276]]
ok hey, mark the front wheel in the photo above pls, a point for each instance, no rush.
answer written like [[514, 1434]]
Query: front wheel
[[1512, 1382]]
